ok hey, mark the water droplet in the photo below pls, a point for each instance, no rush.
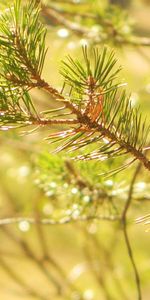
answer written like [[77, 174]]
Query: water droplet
[[83, 42], [109, 182], [86, 199], [77, 270], [24, 171], [49, 193], [141, 185], [24, 226], [53, 184], [75, 206], [76, 214], [74, 191], [71, 45], [88, 295], [4, 128], [63, 32]]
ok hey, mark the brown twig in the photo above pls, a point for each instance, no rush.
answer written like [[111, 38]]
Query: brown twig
[[47, 122]]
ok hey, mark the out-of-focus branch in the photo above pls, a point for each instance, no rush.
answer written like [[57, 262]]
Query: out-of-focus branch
[[29, 253], [107, 258], [53, 14], [49, 259], [65, 220], [59, 17], [15, 277], [99, 276], [137, 41], [124, 224]]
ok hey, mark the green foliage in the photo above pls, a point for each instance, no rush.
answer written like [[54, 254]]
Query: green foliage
[[102, 71], [92, 118], [16, 108], [22, 42], [75, 190], [22, 48]]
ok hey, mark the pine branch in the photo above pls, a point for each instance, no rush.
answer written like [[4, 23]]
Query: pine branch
[[23, 44], [100, 114], [22, 40], [101, 111]]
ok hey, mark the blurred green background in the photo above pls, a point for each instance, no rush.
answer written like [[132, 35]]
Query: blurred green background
[[81, 260]]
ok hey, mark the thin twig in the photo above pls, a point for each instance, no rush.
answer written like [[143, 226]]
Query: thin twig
[[46, 122], [65, 220], [107, 253], [99, 276], [124, 224], [47, 257]]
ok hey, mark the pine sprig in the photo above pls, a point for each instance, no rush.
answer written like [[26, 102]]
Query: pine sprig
[[23, 51], [108, 120], [16, 108], [98, 71], [22, 40]]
